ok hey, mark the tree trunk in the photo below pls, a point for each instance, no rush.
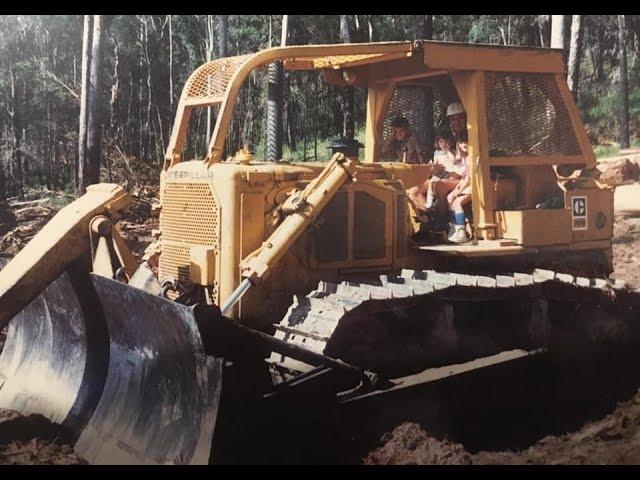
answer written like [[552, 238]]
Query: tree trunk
[[557, 31], [624, 93], [3, 183], [285, 30], [17, 133], [223, 35], [428, 27], [370, 28], [170, 63], [599, 63], [636, 37], [428, 111], [348, 93], [128, 138], [345, 30], [141, 144], [422, 27], [115, 92], [94, 117], [49, 151], [209, 45], [544, 30], [25, 170], [84, 99], [147, 122], [575, 55]]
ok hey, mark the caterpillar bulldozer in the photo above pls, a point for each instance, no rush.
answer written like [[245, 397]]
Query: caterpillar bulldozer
[[300, 283]]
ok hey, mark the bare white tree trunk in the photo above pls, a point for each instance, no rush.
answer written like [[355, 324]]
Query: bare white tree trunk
[[223, 35], [170, 62], [94, 114], [348, 93], [345, 30], [543, 29], [84, 97], [285, 30], [575, 55], [209, 45], [624, 92], [557, 31]]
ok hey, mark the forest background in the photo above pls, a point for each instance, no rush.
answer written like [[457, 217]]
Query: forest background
[[80, 94]]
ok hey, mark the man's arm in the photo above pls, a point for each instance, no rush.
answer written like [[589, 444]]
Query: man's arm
[[418, 148], [387, 146]]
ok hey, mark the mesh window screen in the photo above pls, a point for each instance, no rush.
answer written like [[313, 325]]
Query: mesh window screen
[[425, 107], [408, 102], [527, 116]]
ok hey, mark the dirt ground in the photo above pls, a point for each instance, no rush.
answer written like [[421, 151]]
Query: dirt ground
[[626, 234], [614, 439], [33, 440]]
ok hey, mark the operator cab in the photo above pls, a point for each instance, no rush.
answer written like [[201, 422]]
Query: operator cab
[[532, 169], [529, 157]]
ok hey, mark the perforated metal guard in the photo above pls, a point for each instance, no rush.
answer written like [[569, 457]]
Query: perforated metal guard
[[339, 60], [211, 79], [526, 115], [411, 103], [189, 216], [407, 102]]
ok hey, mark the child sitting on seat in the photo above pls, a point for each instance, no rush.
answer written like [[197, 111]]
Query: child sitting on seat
[[459, 197], [441, 156]]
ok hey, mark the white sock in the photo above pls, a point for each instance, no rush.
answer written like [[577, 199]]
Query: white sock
[[429, 202]]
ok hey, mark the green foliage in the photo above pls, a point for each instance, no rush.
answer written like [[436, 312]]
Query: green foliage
[[40, 55], [613, 149], [604, 151]]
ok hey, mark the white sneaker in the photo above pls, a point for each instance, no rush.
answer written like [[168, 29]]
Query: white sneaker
[[452, 229], [459, 236]]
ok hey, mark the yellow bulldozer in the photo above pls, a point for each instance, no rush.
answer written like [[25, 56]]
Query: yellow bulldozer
[[315, 279]]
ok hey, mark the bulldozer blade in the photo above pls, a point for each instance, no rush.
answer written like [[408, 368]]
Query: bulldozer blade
[[125, 371], [55, 357], [161, 394]]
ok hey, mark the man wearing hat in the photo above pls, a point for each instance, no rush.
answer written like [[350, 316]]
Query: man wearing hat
[[457, 119]]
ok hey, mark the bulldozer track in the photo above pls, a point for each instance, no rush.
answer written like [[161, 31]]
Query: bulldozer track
[[312, 319]]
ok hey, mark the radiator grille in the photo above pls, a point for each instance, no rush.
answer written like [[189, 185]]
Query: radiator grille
[[189, 216]]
